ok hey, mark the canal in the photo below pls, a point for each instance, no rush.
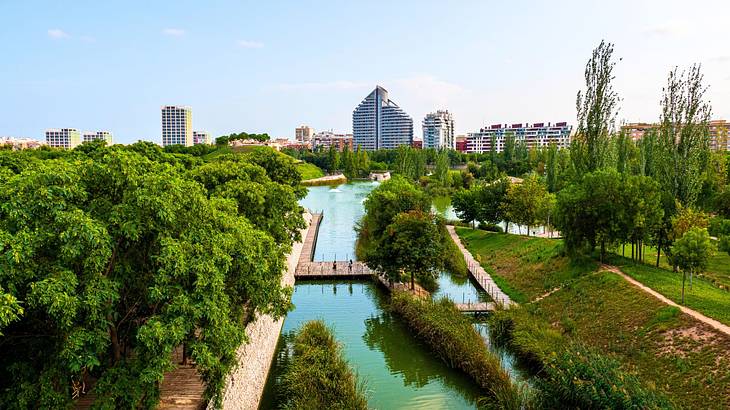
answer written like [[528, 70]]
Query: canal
[[398, 371]]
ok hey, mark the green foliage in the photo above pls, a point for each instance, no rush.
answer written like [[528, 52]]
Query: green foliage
[[527, 203], [317, 376], [597, 110], [691, 253], [483, 202], [309, 171], [452, 337], [118, 255], [225, 139], [607, 208]]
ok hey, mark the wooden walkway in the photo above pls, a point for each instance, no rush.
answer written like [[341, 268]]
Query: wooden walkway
[[479, 274], [310, 242], [480, 307], [331, 269]]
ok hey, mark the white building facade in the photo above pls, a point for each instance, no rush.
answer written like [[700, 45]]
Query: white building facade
[[201, 137], [537, 135], [98, 136], [63, 138], [177, 125], [378, 123], [438, 130]]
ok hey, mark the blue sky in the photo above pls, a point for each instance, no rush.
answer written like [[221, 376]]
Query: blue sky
[[268, 66]]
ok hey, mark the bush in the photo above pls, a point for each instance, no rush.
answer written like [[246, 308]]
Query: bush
[[317, 376], [490, 227], [451, 336], [569, 374]]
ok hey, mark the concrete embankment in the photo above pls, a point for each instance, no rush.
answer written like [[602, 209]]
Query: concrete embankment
[[326, 180], [245, 384]]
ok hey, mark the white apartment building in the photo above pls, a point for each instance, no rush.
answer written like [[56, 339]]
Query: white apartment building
[[325, 139], [536, 135], [201, 137], [304, 133], [378, 123], [177, 125], [63, 137], [438, 130], [97, 136]]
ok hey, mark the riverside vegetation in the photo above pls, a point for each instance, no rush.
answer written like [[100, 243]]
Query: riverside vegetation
[[317, 376], [113, 257], [653, 354]]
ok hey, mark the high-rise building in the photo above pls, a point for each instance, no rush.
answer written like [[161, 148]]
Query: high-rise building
[[536, 135], [177, 125], [98, 136], [718, 133], [63, 138], [438, 130], [304, 133], [201, 137], [378, 123]]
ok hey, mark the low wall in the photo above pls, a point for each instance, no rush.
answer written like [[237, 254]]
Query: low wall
[[245, 384]]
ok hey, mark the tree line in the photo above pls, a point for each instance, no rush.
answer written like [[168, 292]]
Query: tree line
[[111, 258]]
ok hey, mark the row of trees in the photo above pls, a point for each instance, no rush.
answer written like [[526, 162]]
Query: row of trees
[[225, 139], [113, 257]]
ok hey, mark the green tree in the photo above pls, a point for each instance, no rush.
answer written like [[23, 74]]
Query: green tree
[[691, 253], [525, 202], [466, 204], [410, 244], [683, 135], [597, 110], [441, 172], [117, 259], [334, 159]]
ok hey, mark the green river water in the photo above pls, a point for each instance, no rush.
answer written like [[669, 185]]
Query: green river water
[[399, 372]]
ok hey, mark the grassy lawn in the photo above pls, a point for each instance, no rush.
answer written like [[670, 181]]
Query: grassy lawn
[[685, 359], [309, 171], [504, 256], [704, 296], [718, 269]]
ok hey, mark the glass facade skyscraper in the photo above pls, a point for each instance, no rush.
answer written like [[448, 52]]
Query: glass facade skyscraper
[[379, 123]]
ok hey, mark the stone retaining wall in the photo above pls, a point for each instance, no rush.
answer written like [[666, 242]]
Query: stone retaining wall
[[245, 384]]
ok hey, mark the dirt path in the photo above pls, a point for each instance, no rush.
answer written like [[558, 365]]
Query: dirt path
[[695, 314]]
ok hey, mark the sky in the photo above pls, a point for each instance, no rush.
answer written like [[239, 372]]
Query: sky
[[269, 66]]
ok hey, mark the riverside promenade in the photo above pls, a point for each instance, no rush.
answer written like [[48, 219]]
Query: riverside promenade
[[479, 274]]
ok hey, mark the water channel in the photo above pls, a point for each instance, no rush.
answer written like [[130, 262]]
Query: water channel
[[398, 370]]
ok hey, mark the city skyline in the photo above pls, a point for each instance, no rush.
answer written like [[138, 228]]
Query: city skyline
[[240, 77]]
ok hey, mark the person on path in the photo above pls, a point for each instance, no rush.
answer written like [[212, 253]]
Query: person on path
[[350, 266], [334, 266]]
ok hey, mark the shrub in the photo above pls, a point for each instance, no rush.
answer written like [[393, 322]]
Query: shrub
[[569, 374], [317, 376], [490, 227]]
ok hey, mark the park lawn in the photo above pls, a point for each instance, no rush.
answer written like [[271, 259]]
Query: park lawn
[[523, 267], [685, 359], [309, 171], [704, 296], [718, 268]]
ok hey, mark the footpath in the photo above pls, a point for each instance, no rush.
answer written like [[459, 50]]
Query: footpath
[[695, 314]]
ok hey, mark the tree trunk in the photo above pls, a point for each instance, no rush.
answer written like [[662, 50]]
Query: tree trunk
[[603, 250], [658, 250], [684, 276], [413, 285], [632, 249], [528, 230], [114, 338], [623, 249]]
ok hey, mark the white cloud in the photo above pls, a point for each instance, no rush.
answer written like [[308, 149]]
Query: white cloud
[[173, 32], [668, 28], [250, 44], [57, 33]]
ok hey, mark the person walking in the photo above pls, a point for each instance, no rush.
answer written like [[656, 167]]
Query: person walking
[[334, 266], [350, 266]]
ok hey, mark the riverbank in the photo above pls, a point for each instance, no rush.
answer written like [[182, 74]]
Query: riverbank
[[684, 359], [244, 386], [326, 180]]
